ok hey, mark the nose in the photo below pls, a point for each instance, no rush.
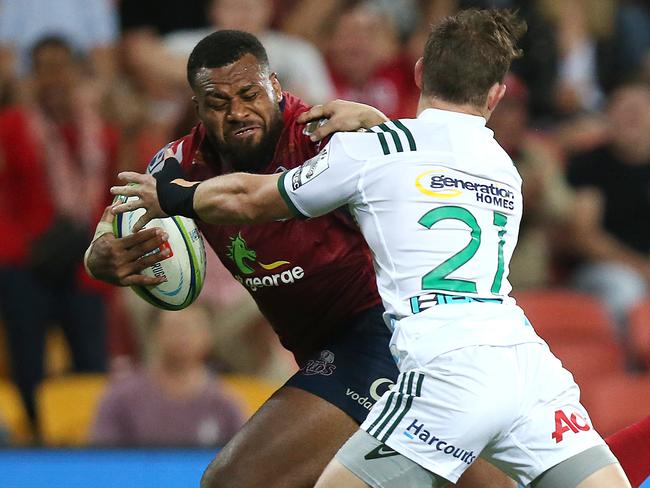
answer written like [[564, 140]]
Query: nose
[[238, 110]]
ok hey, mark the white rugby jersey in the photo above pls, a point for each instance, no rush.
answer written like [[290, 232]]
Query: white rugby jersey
[[437, 199]]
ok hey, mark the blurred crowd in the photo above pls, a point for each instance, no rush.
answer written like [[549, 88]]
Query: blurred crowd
[[91, 87]]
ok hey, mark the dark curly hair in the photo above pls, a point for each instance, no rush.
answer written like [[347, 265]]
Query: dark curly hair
[[222, 48]]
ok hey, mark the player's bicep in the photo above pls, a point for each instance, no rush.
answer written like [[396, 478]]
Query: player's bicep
[[322, 184]]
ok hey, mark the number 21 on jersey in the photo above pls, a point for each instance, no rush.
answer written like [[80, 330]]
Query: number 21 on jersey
[[436, 279]]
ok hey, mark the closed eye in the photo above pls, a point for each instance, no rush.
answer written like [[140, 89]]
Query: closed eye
[[249, 96]]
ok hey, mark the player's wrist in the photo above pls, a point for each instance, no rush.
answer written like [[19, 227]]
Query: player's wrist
[[177, 197], [103, 228], [175, 194]]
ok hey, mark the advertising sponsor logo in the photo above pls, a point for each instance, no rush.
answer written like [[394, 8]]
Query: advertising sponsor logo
[[419, 431], [323, 366], [376, 390], [437, 184], [575, 423], [310, 169], [246, 261]]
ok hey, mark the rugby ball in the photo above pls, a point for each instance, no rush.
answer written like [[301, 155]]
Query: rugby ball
[[184, 268]]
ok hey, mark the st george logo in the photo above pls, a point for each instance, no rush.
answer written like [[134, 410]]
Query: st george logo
[[575, 423], [244, 258]]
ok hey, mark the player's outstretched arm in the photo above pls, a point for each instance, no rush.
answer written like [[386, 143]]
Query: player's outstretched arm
[[229, 199], [120, 261], [341, 116]]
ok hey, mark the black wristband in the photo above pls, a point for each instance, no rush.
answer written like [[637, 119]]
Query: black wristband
[[175, 199]]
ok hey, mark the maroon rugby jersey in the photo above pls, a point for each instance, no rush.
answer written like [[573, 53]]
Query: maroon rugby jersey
[[307, 277]]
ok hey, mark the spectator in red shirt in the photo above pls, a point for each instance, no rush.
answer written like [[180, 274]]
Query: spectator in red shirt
[[365, 65], [56, 157]]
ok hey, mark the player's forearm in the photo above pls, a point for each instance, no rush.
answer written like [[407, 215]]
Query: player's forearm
[[238, 198]]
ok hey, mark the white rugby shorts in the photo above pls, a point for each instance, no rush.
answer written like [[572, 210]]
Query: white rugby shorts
[[515, 405]]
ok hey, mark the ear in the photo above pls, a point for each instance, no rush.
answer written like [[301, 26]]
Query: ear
[[195, 102], [496, 93], [419, 73], [277, 88]]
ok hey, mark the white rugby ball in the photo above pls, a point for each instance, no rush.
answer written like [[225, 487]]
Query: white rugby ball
[[184, 268]]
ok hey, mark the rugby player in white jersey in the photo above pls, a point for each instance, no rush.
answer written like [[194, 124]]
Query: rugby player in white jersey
[[439, 203]]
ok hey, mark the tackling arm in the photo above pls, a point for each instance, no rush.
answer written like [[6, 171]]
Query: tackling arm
[[240, 198], [230, 199]]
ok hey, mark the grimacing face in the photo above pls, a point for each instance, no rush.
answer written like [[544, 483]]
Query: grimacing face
[[239, 107]]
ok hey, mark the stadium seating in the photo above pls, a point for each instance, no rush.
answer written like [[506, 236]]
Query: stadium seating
[[560, 315], [617, 401], [590, 360], [640, 332], [66, 407], [251, 392], [13, 413], [578, 330]]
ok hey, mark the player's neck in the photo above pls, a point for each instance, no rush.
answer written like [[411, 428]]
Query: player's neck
[[437, 103]]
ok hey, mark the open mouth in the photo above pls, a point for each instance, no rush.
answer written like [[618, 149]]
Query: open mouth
[[246, 131]]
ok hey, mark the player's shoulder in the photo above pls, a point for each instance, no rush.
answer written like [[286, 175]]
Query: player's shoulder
[[394, 137], [292, 106], [182, 149]]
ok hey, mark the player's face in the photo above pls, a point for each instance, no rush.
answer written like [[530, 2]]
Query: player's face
[[239, 106]]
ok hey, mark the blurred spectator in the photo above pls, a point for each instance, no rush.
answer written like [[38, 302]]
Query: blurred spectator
[[538, 67], [308, 19], [90, 26], [160, 17], [611, 217], [546, 194], [242, 341], [365, 61], [153, 95], [56, 161], [600, 43], [299, 65], [174, 400]]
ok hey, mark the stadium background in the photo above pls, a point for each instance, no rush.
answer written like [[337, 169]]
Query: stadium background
[[563, 105]]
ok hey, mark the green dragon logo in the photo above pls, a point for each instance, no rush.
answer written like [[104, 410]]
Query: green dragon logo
[[239, 252]]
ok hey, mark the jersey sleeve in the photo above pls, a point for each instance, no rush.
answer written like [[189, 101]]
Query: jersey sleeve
[[327, 181], [172, 153]]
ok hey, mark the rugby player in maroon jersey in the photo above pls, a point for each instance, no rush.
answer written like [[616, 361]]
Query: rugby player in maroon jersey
[[313, 280]]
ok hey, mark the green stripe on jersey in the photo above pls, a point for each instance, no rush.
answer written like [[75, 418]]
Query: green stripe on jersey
[[391, 429], [393, 133], [287, 199], [409, 136], [383, 142]]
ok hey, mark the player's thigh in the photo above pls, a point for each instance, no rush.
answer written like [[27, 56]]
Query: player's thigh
[[287, 443], [364, 461], [482, 474], [336, 475], [611, 476], [551, 427], [596, 467]]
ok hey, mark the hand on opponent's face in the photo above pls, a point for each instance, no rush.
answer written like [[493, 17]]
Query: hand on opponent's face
[[339, 116]]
